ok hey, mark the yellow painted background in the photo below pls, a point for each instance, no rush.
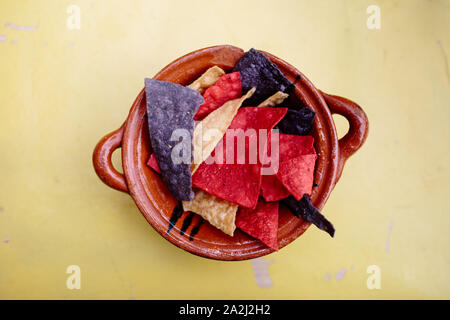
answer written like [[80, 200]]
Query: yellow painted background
[[61, 90]]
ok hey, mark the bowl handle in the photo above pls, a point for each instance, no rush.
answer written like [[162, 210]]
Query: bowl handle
[[102, 160], [358, 127]]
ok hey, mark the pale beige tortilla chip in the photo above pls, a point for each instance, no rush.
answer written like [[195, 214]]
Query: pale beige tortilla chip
[[220, 213], [210, 130], [207, 133], [207, 79], [274, 100]]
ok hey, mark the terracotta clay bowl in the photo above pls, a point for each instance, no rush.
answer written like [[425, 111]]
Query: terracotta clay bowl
[[190, 232]]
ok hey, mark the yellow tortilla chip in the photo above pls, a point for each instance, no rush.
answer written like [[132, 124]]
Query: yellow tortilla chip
[[274, 100], [220, 213], [210, 130], [207, 133], [207, 79]]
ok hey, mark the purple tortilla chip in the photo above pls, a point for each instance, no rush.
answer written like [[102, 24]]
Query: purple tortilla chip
[[298, 122], [258, 71], [304, 209], [172, 107]]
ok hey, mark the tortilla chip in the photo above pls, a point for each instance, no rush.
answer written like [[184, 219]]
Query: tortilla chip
[[304, 209], [274, 100], [227, 88], [220, 213], [258, 71], [235, 182], [296, 163], [260, 223], [294, 172], [297, 122], [272, 189], [297, 175], [207, 79], [210, 130], [172, 107], [153, 163], [204, 140], [291, 146]]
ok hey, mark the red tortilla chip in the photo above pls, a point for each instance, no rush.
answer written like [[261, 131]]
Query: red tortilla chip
[[153, 163], [260, 223], [272, 189], [237, 183], [296, 167], [297, 175], [291, 146], [228, 87]]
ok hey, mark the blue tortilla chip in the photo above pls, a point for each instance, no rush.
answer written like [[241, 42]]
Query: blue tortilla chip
[[304, 209], [258, 71], [170, 107], [298, 122]]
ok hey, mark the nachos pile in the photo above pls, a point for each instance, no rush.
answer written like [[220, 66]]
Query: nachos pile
[[231, 148]]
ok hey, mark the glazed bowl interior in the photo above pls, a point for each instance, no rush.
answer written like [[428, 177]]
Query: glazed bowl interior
[[190, 232]]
